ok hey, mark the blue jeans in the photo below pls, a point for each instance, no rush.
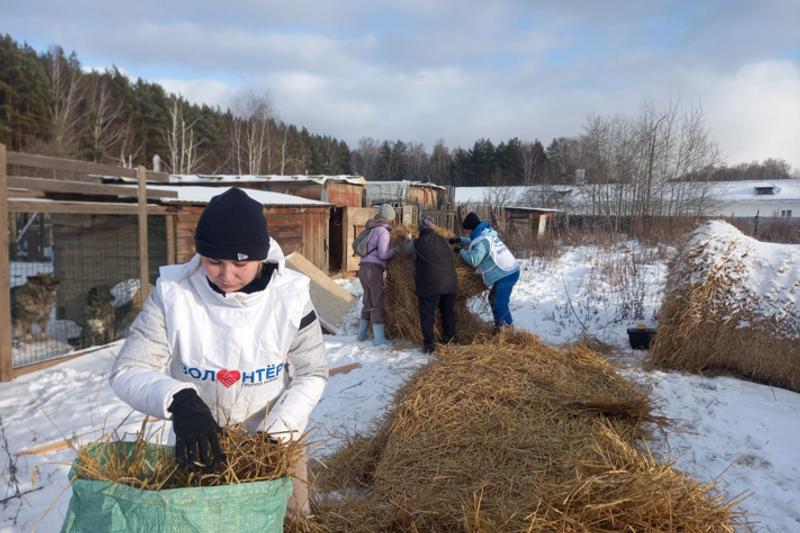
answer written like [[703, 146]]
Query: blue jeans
[[499, 295]]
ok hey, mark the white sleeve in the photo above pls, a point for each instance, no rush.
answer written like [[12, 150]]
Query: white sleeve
[[289, 415], [139, 376]]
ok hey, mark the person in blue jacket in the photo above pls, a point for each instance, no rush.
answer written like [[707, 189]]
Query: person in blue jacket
[[485, 252]]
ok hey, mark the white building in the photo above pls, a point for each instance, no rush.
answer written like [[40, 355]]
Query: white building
[[736, 199], [778, 198]]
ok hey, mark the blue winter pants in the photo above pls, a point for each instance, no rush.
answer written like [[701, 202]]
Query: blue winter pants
[[499, 295]]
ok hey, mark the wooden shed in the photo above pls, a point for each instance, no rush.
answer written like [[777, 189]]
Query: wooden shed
[[342, 192], [402, 193], [297, 224], [530, 223]]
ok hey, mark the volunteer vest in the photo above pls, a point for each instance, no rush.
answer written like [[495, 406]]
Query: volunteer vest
[[232, 348], [499, 252]]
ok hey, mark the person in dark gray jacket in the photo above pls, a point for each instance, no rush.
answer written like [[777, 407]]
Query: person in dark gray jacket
[[436, 284]]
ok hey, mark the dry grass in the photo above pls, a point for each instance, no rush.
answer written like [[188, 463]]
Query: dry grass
[[250, 457], [402, 317], [707, 323], [513, 435]]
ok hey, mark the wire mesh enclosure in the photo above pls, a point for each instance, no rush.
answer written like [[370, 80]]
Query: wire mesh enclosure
[[75, 280]]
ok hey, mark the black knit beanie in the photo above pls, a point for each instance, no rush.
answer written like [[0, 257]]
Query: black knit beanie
[[471, 221], [232, 226]]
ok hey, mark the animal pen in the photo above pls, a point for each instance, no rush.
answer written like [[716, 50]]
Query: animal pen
[[76, 256], [83, 252]]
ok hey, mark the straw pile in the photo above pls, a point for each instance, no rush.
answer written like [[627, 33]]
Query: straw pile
[[402, 316], [513, 435], [249, 457], [732, 304]]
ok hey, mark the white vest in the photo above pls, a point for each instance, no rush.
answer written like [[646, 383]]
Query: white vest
[[499, 252], [232, 348]]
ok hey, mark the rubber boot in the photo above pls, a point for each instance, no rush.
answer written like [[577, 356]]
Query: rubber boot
[[377, 335], [362, 329]]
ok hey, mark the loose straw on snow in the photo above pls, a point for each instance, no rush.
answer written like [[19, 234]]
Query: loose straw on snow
[[510, 434]]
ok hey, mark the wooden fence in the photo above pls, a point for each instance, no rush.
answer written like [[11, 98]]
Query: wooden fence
[[41, 184]]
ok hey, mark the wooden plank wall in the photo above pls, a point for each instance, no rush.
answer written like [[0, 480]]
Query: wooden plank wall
[[304, 189], [424, 197], [303, 230], [355, 219], [297, 229], [343, 194]]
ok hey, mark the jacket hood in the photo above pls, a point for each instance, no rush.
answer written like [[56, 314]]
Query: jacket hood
[[375, 222], [484, 228]]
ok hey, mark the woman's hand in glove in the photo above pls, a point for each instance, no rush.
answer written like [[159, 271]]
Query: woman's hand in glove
[[196, 432]]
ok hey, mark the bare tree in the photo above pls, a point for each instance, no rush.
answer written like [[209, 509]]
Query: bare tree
[[65, 78], [440, 163], [417, 161], [103, 115], [250, 136], [639, 166], [126, 151], [180, 140], [285, 160], [366, 159]]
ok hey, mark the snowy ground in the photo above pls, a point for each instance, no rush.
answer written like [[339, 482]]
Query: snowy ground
[[742, 435]]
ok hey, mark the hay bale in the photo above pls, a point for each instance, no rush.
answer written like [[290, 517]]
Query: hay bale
[[402, 316], [513, 435], [732, 304]]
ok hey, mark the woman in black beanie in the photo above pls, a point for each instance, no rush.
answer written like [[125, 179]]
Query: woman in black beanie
[[490, 257], [214, 340]]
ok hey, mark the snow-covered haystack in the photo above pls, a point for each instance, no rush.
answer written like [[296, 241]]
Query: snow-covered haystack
[[511, 434], [402, 316], [732, 303]]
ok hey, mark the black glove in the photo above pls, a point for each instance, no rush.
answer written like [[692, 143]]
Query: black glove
[[196, 431], [454, 240]]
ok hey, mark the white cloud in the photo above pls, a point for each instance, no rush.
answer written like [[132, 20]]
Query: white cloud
[[755, 112], [204, 91]]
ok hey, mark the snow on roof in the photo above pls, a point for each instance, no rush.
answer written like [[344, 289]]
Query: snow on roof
[[401, 184], [537, 209], [202, 195], [225, 178], [513, 194], [747, 190], [728, 191], [200, 179]]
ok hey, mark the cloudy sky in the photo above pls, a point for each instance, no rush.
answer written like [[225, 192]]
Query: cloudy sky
[[456, 70]]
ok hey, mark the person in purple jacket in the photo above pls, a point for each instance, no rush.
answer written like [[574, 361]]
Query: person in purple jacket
[[370, 274]]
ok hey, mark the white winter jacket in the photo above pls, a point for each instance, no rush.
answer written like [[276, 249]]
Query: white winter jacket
[[254, 358]]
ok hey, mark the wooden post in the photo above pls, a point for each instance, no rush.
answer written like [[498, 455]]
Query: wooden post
[[6, 363], [144, 262], [172, 247]]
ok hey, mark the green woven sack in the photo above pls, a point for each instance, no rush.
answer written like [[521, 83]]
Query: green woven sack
[[101, 506]]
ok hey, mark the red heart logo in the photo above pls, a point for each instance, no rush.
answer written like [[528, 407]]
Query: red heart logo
[[228, 377]]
